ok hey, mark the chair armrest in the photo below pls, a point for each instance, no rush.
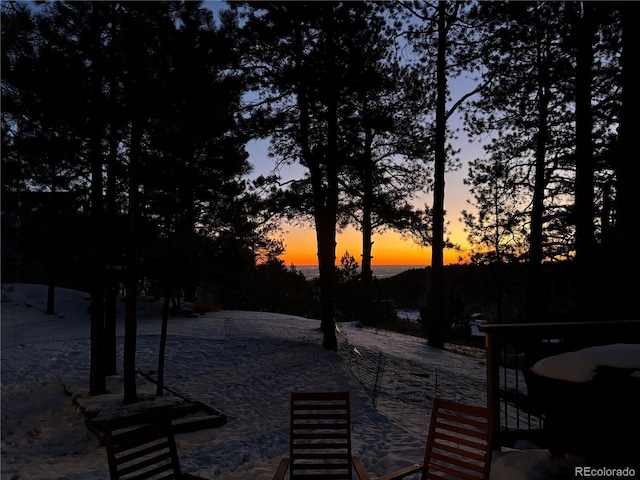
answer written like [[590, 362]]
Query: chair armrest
[[416, 467], [360, 469], [282, 469]]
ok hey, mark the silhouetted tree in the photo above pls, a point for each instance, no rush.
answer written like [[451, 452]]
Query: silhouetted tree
[[191, 146], [561, 86], [382, 177], [105, 82], [528, 136], [39, 145], [583, 36], [495, 231], [627, 228], [302, 54], [444, 40]]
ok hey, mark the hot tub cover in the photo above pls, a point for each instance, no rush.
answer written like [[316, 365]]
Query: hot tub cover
[[581, 365]]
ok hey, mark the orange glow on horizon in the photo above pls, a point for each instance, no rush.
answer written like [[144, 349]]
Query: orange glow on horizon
[[389, 248]]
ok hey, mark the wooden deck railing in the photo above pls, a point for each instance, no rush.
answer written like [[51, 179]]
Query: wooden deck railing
[[513, 347]]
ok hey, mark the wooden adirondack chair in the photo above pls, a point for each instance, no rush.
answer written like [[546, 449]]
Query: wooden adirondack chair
[[458, 444], [147, 451], [459, 441], [320, 438]]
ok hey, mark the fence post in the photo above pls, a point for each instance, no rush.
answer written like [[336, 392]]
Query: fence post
[[493, 383], [379, 375]]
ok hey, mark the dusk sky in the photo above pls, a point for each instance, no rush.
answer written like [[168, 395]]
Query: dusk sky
[[389, 248]]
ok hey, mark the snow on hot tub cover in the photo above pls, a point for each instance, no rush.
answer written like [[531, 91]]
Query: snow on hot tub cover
[[580, 366]]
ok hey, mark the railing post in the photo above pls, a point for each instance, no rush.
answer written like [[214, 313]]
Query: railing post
[[493, 383]]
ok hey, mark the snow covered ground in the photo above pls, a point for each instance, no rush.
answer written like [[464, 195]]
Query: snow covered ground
[[244, 364]]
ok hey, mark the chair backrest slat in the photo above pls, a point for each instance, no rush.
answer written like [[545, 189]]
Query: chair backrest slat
[[144, 452], [459, 441], [320, 436]]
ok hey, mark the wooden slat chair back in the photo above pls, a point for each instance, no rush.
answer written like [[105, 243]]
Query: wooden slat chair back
[[320, 436], [141, 452], [459, 442]]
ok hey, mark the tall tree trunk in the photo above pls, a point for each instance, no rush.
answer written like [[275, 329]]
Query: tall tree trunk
[[586, 298], [97, 379], [110, 320], [51, 287], [499, 263], [130, 319], [327, 236], [52, 252], [534, 292], [324, 203], [626, 256], [367, 229], [110, 309], [163, 336], [186, 227], [436, 319]]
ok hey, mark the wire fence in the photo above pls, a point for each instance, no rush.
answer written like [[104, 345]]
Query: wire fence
[[404, 389]]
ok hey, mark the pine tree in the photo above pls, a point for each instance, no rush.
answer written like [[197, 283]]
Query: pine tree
[[627, 265], [381, 176], [106, 83], [445, 45], [526, 73], [302, 55]]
